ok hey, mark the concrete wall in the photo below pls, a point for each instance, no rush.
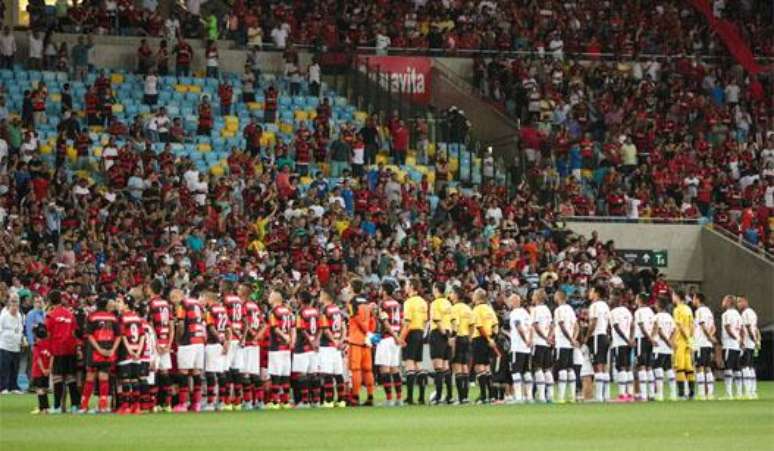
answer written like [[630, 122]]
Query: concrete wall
[[681, 241], [732, 269]]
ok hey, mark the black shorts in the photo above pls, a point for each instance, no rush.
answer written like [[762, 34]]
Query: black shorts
[[439, 346], [746, 358], [502, 370], [599, 345], [623, 357], [564, 357], [413, 348], [704, 358], [541, 357], [130, 371], [144, 369], [732, 359], [482, 353], [96, 362], [41, 382], [519, 362], [644, 352], [461, 351], [663, 361], [64, 365]]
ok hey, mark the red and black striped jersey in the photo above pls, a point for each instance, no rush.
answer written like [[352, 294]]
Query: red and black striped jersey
[[307, 323], [160, 318], [253, 322], [235, 312], [280, 320], [332, 318], [217, 319], [190, 314]]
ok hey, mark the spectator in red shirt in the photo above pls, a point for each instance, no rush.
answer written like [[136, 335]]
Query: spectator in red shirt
[[400, 143]]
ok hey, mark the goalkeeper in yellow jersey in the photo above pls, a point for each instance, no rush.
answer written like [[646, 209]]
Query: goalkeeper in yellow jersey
[[683, 362]]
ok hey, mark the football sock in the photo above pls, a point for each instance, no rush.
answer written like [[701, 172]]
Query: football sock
[[88, 388], [518, 393], [540, 385], [126, 395], [621, 379], [746, 382], [562, 386], [438, 381], [528, 386], [680, 386], [728, 379], [247, 390], [599, 387], [316, 388], [738, 382], [447, 380], [368, 380], [701, 392], [42, 401], [606, 380], [709, 378], [386, 380], [459, 381], [285, 390], [753, 381], [184, 390], [642, 376], [58, 394], [422, 383], [104, 392], [572, 383], [162, 380], [548, 376], [197, 390], [397, 383], [652, 381], [340, 388], [357, 381], [670, 375], [75, 395], [222, 389], [296, 387], [691, 376], [328, 388], [659, 381], [303, 385], [411, 378], [210, 378]]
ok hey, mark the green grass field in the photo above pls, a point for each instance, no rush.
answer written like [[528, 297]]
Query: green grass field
[[695, 425]]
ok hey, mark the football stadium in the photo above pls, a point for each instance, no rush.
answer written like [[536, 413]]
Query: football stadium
[[398, 225]]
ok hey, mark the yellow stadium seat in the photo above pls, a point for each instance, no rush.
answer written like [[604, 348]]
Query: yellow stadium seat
[[258, 168], [96, 129], [226, 133], [72, 154], [116, 79], [431, 149], [311, 114], [306, 180], [195, 88], [117, 108], [300, 115], [231, 119], [381, 158], [361, 116], [411, 161], [323, 167], [181, 88], [217, 170], [97, 151], [252, 106], [56, 97], [454, 164], [232, 127], [45, 149], [431, 177], [286, 128], [422, 169], [204, 147]]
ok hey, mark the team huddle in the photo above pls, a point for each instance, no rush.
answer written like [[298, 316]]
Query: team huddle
[[222, 348]]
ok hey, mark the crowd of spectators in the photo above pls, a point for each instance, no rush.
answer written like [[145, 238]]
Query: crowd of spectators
[[648, 138], [550, 27]]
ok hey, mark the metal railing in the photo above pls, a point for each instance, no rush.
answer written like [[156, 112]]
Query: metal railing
[[625, 220], [738, 239]]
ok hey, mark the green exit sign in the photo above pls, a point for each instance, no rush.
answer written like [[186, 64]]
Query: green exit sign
[[644, 257]]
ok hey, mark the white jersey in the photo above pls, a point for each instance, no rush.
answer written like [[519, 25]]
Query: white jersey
[[600, 311], [621, 317], [541, 320], [731, 319], [643, 318], [702, 317], [750, 323], [519, 318], [666, 326], [565, 315]]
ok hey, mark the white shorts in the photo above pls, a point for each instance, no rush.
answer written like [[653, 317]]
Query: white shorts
[[216, 360], [234, 356], [305, 362], [163, 362], [329, 361], [387, 353], [279, 363], [251, 360], [190, 357]]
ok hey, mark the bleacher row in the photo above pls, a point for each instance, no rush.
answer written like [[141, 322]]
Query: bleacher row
[[181, 97]]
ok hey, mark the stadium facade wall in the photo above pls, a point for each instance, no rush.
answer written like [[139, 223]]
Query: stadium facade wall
[[681, 241], [733, 269]]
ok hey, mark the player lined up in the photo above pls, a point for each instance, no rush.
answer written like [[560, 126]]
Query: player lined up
[[160, 354]]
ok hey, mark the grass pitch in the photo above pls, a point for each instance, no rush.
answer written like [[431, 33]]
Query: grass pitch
[[721, 425]]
